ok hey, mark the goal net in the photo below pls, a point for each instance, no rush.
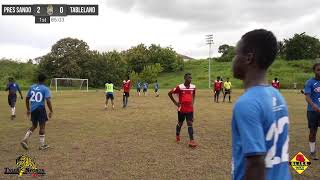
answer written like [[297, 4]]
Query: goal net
[[69, 84]]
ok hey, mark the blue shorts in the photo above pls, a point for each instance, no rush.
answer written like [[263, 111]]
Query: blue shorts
[[12, 99], [109, 96], [39, 115], [313, 119]]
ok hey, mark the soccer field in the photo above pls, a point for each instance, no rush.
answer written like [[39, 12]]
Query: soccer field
[[88, 142]]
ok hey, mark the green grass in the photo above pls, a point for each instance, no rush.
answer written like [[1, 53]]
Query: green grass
[[88, 142], [288, 72]]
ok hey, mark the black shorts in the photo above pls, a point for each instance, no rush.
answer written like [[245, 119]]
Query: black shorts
[[182, 116], [313, 119], [156, 90], [227, 91], [145, 90], [39, 115], [109, 96], [12, 99], [217, 92], [138, 89], [126, 94]]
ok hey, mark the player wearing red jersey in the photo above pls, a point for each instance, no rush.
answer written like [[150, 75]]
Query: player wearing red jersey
[[186, 93], [275, 83], [217, 85], [126, 86]]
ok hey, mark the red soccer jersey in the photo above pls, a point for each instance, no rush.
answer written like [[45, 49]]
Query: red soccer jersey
[[275, 84], [217, 85], [185, 94], [126, 85]]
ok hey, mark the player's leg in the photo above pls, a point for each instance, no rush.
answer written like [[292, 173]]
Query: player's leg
[[215, 95], [181, 118], [34, 119], [218, 94], [107, 99], [127, 97], [42, 124], [139, 91], [189, 117], [124, 100], [313, 127], [12, 103], [112, 103], [230, 96]]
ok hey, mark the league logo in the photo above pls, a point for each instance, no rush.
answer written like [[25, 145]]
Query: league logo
[[50, 10]]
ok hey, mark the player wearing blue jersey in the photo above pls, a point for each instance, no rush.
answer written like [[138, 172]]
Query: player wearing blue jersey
[[37, 95], [12, 88], [138, 87], [312, 93], [260, 122], [145, 88], [156, 88]]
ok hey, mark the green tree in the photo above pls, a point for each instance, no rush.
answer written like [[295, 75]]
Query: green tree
[[137, 58], [228, 53], [66, 58], [150, 73], [302, 46]]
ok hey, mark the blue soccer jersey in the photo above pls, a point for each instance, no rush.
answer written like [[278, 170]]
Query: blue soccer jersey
[[13, 88], [260, 126], [145, 86], [38, 93], [138, 85], [156, 86], [312, 87]]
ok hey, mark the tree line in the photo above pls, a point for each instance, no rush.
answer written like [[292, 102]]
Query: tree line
[[71, 57], [300, 46]]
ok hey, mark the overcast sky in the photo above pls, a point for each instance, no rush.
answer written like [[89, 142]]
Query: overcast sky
[[181, 24]]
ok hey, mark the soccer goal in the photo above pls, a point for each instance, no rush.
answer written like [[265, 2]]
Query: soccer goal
[[69, 84]]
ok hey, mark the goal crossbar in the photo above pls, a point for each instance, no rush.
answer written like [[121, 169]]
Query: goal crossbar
[[76, 79]]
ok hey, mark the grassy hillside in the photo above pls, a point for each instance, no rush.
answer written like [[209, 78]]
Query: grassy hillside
[[24, 73], [287, 72]]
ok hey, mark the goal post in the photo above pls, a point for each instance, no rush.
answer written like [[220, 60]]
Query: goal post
[[69, 84]]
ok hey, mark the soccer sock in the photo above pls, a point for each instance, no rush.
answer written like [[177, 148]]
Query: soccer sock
[[28, 134], [13, 111], [126, 101], [190, 131], [312, 146], [229, 97], [178, 129], [42, 138]]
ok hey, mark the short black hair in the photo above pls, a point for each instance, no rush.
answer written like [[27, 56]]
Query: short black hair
[[263, 44], [187, 74], [315, 66], [42, 77]]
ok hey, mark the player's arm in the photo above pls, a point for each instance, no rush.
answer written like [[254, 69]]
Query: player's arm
[[171, 97], [307, 92], [49, 104], [255, 168], [48, 100], [194, 96], [28, 105], [309, 101]]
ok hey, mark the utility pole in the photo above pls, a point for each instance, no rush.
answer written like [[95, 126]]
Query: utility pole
[[209, 41]]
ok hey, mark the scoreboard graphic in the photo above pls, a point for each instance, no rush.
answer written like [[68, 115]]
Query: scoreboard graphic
[[44, 12]]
